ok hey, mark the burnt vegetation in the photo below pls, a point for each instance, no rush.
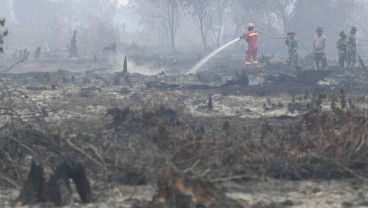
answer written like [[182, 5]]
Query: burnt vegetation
[[79, 130], [135, 143]]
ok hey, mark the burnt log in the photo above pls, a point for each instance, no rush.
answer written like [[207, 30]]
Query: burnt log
[[239, 80], [175, 190], [181, 191], [312, 76], [208, 77]]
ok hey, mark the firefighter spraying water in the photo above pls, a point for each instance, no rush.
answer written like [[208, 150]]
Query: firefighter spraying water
[[251, 38], [252, 51]]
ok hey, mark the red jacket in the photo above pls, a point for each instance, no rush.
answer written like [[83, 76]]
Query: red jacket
[[251, 38]]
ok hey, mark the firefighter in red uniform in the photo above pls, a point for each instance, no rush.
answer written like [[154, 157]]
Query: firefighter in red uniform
[[252, 51]]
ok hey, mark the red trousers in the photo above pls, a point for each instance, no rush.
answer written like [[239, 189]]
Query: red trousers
[[251, 53]]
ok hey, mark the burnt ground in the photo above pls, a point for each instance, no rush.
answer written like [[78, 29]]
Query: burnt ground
[[289, 139]]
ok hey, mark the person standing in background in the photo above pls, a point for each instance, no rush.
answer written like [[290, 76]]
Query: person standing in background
[[292, 44], [342, 46], [319, 46], [351, 49]]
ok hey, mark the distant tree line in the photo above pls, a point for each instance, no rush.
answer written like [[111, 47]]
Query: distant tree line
[[51, 23], [174, 23], [216, 20]]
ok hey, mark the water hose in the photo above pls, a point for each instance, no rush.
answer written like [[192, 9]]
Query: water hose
[[284, 37], [297, 39]]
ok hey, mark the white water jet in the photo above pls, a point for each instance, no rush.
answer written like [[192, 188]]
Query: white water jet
[[203, 61]]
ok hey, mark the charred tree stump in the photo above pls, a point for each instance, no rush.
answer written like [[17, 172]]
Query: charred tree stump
[[227, 128], [210, 104], [31, 192], [37, 53], [79, 177], [25, 54], [244, 79], [122, 77], [73, 48], [21, 55], [3, 33], [125, 67], [57, 190]]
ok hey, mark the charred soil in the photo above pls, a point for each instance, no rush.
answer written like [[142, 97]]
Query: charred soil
[[286, 135]]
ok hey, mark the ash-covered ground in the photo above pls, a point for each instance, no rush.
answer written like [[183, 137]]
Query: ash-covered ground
[[289, 139]]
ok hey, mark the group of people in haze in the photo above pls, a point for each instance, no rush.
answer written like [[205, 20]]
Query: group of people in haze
[[346, 46]]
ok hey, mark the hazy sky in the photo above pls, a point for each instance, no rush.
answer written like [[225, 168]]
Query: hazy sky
[[123, 2]]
